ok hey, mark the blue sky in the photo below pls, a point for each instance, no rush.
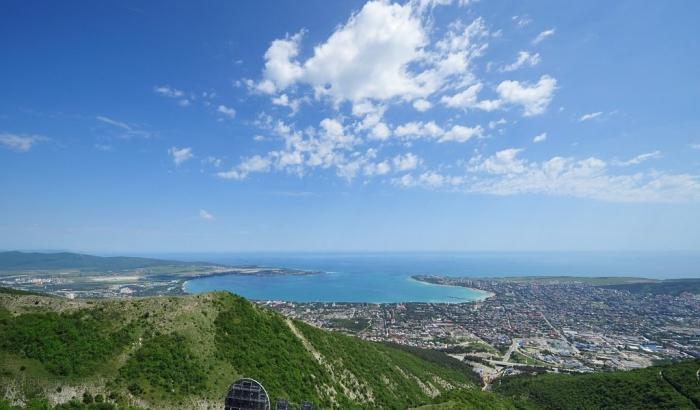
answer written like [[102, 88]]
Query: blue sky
[[286, 126]]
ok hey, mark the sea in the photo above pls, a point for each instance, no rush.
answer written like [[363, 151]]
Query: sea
[[387, 277]]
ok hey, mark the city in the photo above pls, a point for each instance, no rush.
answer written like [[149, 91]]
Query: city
[[546, 325]]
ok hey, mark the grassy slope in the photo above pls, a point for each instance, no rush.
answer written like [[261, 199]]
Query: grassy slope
[[183, 352]]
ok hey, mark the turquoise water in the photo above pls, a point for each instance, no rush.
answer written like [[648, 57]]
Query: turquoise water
[[385, 277]]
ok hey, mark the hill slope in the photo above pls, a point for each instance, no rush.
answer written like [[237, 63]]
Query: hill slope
[[671, 386], [183, 352]]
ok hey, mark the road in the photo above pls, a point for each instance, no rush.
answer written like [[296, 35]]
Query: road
[[511, 349]]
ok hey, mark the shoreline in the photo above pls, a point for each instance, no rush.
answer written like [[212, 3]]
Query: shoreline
[[485, 293], [480, 295]]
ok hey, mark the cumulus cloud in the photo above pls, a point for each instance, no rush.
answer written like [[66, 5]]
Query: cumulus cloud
[[255, 163], [180, 155], [543, 36], [18, 142], [405, 162], [533, 98], [422, 105], [525, 59], [540, 138], [227, 112], [469, 99], [506, 173], [460, 133], [374, 55]]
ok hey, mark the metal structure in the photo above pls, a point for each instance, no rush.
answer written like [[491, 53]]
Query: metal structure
[[247, 394]]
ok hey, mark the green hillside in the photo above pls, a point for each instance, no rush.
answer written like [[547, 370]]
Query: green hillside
[[672, 386], [14, 260], [183, 352]]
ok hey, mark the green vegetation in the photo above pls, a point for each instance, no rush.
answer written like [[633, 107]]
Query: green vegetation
[[673, 287], [261, 345], [70, 344], [469, 399], [352, 325], [164, 363], [637, 389], [172, 352], [385, 376]]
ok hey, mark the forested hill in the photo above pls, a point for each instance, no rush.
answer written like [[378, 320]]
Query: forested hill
[[14, 260], [183, 352], [671, 386]]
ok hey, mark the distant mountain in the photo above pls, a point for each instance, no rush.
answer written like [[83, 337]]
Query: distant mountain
[[183, 352], [15, 260], [665, 287]]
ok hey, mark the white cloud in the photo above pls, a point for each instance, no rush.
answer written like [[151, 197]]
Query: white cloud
[[588, 178], [405, 162], [496, 124], [521, 21], [382, 52], [380, 132], [127, 131], [695, 146], [469, 99], [368, 56], [638, 159], [284, 101], [422, 105], [543, 36], [540, 138], [167, 91], [377, 169], [591, 116], [459, 133], [226, 111], [204, 215], [216, 162], [180, 155], [505, 173], [256, 163], [524, 59], [281, 70], [533, 98], [415, 130], [21, 143], [503, 162]]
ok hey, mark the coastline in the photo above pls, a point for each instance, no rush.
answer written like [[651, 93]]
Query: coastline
[[484, 293], [474, 295]]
